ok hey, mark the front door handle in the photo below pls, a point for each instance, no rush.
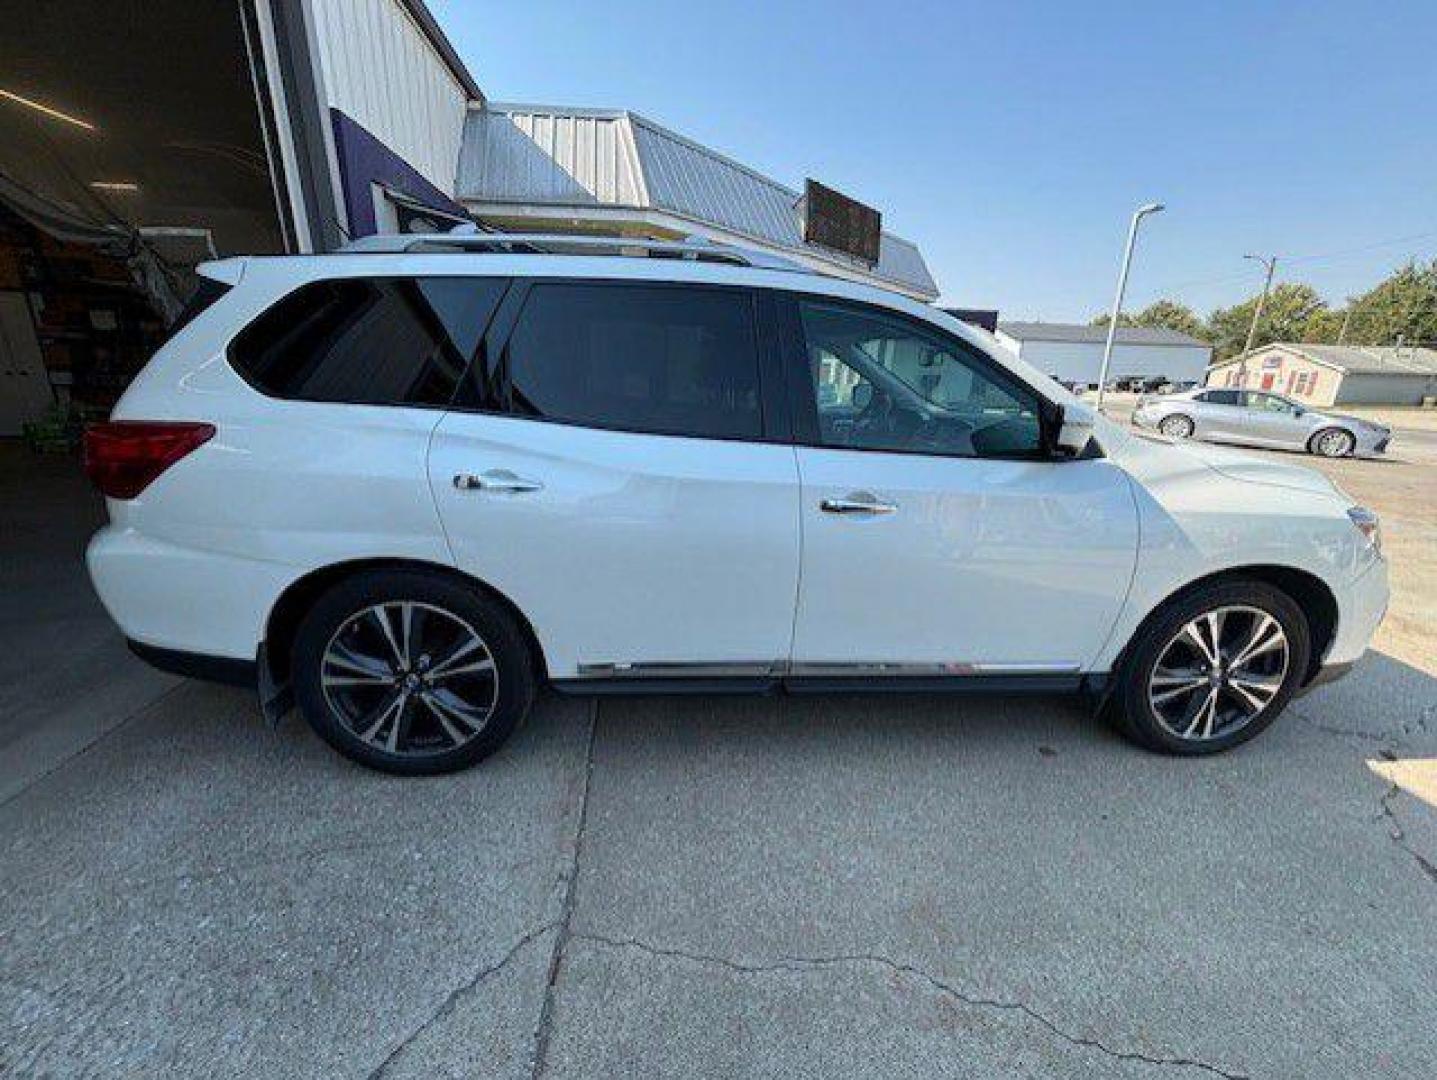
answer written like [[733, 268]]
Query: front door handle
[[501, 481], [858, 502]]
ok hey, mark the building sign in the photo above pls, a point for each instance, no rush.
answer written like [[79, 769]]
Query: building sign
[[832, 220], [1271, 362]]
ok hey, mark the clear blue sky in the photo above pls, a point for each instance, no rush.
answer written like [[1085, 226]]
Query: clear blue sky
[[1012, 140]]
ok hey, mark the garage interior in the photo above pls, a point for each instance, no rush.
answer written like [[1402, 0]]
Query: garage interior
[[132, 151], [107, 201]]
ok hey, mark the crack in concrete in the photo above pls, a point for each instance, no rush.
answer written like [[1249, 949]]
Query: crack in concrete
[[449, 1004], [801, 964], [1351, 733], [543, 1029], [1399, 834]]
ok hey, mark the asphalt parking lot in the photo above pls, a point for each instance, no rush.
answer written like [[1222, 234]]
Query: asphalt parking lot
[[809, 887]]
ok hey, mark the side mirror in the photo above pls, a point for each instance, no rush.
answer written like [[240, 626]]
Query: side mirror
[[862, 396], [1077, 428]]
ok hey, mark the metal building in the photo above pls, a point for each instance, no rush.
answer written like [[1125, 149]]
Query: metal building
[[538, 168], [1074, 352]]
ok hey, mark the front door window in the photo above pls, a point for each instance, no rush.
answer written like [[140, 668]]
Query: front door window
[[883, 383]]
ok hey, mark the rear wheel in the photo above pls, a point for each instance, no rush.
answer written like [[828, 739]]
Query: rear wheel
[[1176, 426], [1213, 668], [1332, 442], [411, 673]]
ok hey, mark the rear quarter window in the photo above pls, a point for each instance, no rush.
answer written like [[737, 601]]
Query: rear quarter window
[[372, 341]]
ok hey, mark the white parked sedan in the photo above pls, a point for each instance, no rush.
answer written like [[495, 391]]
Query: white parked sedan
[[405, 485], [1259, 418]]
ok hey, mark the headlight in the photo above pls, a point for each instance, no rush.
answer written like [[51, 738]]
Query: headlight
[[1368, 525]]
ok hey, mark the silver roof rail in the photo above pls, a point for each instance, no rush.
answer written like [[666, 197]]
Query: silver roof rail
[[694, 249]]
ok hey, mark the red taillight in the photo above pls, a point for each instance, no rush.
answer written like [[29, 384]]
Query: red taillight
[[123, 457]]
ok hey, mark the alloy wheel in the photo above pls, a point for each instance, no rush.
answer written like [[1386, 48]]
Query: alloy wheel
[[410, 678], [1219, 672], [1334, 443], [1176, 427]]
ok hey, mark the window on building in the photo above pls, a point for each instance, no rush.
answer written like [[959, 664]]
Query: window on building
[[660, 359], [372, 341]]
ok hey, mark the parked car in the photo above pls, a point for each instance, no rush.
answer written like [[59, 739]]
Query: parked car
[[1259, 418], [1156, 384], [406, 485]]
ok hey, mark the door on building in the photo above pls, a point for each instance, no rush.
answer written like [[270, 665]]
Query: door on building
[[24, 386]]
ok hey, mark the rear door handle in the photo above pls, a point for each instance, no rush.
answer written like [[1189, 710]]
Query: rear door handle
[[858, 502], [501, 481]]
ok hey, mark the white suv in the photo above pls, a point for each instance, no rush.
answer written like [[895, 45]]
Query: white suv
[[406, 484]]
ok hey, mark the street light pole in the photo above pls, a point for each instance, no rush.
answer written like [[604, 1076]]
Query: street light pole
[[1271, 263], [1138, 215]]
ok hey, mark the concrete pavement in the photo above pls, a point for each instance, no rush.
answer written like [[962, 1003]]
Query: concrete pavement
[[809, 887]]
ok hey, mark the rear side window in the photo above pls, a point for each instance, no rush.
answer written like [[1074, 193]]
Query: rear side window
[[1221, 397], [372, 341], [660, 359]]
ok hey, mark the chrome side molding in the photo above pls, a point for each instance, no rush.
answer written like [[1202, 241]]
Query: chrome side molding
[[781, 668]]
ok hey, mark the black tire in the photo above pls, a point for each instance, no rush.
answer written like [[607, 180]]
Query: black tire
[[1323, 437], [1133, 709], [448, 607], [1177, 426]]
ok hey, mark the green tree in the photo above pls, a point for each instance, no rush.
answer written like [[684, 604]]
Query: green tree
[[1162, 314], [1402, 307], [1291, 307]]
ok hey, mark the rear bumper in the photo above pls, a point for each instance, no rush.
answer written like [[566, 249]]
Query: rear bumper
[[1144, 419], [219, 669], [178, 599]]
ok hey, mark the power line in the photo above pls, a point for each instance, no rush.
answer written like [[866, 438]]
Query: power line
[[1342, 253], [1360, 250]]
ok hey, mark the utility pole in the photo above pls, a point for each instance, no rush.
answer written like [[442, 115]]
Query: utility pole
[[1271, 263], [1346, 318], [1138, 215]]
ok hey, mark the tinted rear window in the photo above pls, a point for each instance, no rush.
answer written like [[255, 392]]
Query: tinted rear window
[[1221, 397], [665, 359], [375, 341]]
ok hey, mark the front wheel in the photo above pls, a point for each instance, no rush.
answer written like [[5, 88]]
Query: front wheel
[[411, 673], [1332, 442], [1213, 668]]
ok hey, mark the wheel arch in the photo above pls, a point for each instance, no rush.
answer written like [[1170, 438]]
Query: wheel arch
[[301, 594], [1332, 425], [1178, 412], [1307, 590]]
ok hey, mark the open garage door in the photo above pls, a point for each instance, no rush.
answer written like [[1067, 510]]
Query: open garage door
[[132, 144]]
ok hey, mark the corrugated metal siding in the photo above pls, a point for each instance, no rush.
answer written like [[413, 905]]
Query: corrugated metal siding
[[539, 158], [695, 182], [1365, 388], [381, 69], [526, 154]]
